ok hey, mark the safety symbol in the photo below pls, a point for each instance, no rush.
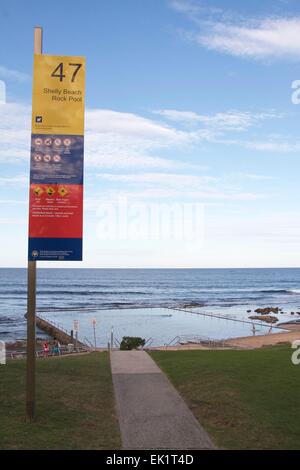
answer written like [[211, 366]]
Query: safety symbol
[[47, 158], [50, 191], [62, 191], [38, 141], [48, 141], [67, 142], [57, 142], [38, 191], [37, 157], [56, 158]]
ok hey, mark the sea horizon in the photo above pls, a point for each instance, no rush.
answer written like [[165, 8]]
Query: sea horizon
[[152, 268]]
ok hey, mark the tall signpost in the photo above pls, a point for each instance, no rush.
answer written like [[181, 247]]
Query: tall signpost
[[56, 176]]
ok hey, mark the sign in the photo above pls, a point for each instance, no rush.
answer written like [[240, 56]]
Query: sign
[[58, 95], [2, 353], [75, 325], [56, 165]]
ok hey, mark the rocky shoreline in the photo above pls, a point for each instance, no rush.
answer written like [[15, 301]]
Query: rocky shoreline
[[265, 314]]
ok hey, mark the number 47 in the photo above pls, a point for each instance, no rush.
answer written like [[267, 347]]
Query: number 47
[[58, 72]]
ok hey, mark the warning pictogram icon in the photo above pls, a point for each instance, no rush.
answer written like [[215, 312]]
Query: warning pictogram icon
[[67, 142], [48, 141], [37, 157], [50, 191], [38, 141], [62, 191], [38, 191]]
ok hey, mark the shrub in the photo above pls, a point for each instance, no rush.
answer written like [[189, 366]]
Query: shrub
[[131, 342]]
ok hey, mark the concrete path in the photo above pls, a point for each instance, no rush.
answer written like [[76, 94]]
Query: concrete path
[[152, 415]]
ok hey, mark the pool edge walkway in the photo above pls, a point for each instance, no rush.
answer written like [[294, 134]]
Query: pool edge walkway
[[152, 414]]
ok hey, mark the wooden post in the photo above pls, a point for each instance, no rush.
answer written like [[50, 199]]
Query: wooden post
[[38, 40], [31, 299], [112, 338], [76, 341], [31, 304]]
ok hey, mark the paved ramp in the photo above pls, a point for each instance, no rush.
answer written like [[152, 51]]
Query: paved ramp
[[152, 415]]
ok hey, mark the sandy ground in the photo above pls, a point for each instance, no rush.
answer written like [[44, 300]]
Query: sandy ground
[[266, 340], [290, 326]]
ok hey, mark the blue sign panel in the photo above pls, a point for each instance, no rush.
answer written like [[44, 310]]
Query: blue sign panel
[[56, 159]]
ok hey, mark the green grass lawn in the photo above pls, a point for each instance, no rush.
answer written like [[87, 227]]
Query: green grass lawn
[[75, 405], [244, 399]]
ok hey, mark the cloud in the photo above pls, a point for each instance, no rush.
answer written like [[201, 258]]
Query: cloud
[[128, 124], [250, 176], [13, 221], [193, 8], [178, 187], [227, 32], [13, 202], [120, 140], [256, 226], [15, 75], [273, 146], [112, 139], [168, 179], [266, 38], [278, 145], [15, 181], [230, 120], [15, 121]]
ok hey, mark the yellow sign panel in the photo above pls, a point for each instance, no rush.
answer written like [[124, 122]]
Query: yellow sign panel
[[50, 191], [63, 191], [58, 95], [38, 191]]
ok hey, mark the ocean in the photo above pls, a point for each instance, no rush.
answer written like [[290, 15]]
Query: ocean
[[138, 301]]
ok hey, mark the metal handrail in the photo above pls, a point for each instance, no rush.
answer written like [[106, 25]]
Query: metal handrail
[[223, 317], [169, 344], [148, 342], [88, 342], [62, 329]]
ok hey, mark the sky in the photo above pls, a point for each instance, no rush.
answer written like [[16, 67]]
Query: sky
[[191, 129]]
